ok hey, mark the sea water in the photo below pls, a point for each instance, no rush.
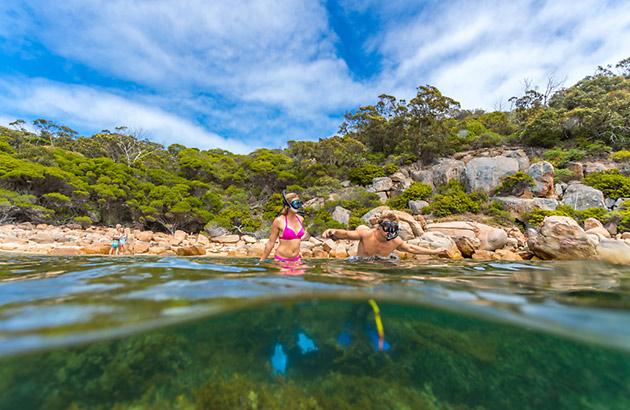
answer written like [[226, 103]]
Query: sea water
[[222, 333]]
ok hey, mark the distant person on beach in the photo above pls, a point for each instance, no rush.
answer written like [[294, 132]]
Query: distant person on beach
[[123, 240], [381, 240], [116, 239], [289, 228]]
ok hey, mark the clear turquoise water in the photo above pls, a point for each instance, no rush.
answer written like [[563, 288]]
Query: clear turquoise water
[[141, 332]]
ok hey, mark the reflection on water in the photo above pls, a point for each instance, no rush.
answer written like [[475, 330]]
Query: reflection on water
[[231, 333]]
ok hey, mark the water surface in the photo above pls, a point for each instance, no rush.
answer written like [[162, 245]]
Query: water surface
[[147, 332]]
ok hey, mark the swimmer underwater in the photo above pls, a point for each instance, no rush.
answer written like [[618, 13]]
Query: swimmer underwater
[[289, 228], [380, 240]]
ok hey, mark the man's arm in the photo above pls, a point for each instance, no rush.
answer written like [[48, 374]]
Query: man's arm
[[341, 234], [418, 250]]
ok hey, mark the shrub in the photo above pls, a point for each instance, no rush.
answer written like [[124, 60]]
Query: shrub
[[514, 184], [272, 207], [319, 220], [621, 156], [499, 215], [535, 217], [366, 174], [563, 175], [610, 182], [454, 200], [559, 157], [416, 191], [354, 222], [390, 168], [598, 213]]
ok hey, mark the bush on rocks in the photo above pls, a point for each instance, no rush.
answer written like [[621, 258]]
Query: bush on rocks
[[611, 182], [514, 184], [453, 199], [416, 191]]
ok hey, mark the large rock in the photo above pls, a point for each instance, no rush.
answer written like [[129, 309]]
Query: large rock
[[615, 251], [517, 207], [226, 239], [560, 237], [467, 245], [180, 235], [143, 236], [542, 173], [447, 170], [414, 226], [424, 176], [485, 174], [213, 230], [193, 250], [582, 197], [97, 249], [382, 184], [370, 214], [453, 229], [341, 215], [490, 238], [417, 206], [521, 157], [593, 226], [436, 240]]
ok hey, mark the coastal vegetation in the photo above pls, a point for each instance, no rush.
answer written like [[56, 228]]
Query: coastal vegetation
[[49, 173]]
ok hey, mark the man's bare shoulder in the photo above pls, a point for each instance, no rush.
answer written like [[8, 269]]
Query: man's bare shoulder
[[364, 231]]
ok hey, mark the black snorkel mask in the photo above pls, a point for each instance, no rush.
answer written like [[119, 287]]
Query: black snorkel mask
[[390, 228], [295, 205]]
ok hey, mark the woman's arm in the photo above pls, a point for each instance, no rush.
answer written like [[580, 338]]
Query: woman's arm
[[273, 236]]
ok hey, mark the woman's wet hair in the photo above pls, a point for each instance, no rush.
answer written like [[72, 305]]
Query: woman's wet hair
[[290, 197]]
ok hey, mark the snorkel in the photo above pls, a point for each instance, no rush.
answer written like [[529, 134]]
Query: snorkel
[[390, 228], [296, 205]]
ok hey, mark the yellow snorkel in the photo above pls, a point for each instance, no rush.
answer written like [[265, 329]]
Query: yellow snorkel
[[379, 325]]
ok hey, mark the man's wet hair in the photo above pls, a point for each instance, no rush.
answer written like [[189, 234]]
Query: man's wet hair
[[387, 216]]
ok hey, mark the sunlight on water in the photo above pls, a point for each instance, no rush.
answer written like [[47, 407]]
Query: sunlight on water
[[98, 332]]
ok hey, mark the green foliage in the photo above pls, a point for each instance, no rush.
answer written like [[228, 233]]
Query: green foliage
[[563, 175], [499, 216], [622, 156], [514, 184], [416, 191], [319, 220], [536, 216], [597, 149], [601, 214], [272, 207], [365, 175], [454, 200], [390, 169], [610, 182], [559, 157], [354, 222]]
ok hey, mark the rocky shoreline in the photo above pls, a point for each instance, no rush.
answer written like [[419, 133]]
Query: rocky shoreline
[[557, 238]]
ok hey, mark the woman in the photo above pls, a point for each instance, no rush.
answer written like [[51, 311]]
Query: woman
[[288, 228]]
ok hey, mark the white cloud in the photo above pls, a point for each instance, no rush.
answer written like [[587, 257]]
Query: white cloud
[[268, 71], [479, 53], [81, 106]]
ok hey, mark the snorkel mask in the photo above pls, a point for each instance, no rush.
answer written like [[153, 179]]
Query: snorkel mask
[[295, 205], [390, 228]]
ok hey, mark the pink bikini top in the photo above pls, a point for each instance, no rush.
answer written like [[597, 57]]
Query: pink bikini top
[[288, 233]]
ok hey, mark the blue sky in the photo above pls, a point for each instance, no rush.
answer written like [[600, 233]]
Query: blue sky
[[242, 75]]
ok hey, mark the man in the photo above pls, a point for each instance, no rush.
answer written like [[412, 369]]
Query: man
[[381, 240]]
